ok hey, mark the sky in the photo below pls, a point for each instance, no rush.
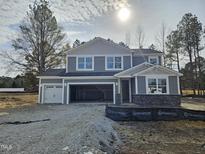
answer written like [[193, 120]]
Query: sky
[[86, 19]]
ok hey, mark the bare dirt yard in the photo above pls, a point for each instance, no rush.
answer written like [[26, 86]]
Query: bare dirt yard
[[181, 137], [83, 128]]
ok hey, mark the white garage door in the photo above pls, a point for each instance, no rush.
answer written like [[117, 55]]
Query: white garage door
[[53, 94]]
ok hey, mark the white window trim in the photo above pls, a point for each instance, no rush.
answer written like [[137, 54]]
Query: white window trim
[[156, 57], [157, 77], [85, 69], [115, 69]]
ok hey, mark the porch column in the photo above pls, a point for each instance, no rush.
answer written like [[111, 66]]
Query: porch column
[[178, 85], [119, 86], [63, 86], [68, 93], [119, 91], [130, 91], [39, 91]]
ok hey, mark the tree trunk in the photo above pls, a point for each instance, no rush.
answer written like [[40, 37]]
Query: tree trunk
[[200, 72], [178, 67], [191, 69], [42, 59], [196, 72]]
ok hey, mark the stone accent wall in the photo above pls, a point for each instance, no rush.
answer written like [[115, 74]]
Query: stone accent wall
[[136, 113], [118, 99], [157, 100]]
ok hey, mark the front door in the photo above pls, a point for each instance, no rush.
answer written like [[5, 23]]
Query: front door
[[125, 90]]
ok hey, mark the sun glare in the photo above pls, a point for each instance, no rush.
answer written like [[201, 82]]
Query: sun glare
[[124, 14]]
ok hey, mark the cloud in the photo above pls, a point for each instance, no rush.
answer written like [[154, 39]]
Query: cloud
[[74, 16], [68, 12]]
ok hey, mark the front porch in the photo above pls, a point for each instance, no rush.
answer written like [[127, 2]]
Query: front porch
[[148, 85]]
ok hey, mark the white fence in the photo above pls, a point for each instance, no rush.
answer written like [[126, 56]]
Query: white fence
[[11, 89]]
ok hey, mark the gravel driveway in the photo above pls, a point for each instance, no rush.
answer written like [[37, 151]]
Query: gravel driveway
[[74, 128]]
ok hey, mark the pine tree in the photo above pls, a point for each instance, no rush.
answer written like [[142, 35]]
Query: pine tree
[[173, 46], [190, 29], [76, 43], [40, 42]]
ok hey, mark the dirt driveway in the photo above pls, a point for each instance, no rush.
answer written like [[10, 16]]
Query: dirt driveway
[[71, 129], [79, 128]]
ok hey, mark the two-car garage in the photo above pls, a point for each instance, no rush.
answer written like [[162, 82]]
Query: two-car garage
[[78, 92], [91, 93]]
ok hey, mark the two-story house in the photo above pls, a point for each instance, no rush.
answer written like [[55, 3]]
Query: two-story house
[[103, 71]]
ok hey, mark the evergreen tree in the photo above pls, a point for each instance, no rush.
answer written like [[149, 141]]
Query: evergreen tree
[[190, 30], [123, 44], [14, 85], [152, 46], [173, 46], [76, 43], [40, 42]]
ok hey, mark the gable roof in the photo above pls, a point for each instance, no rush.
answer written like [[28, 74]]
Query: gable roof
[[146, 51], [157, 69], [131, 71], [108, 41], [144, 68]]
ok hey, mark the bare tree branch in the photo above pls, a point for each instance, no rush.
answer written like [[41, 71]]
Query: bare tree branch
[[140, 37]]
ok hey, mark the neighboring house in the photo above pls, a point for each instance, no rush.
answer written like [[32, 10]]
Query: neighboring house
[[7, 90], [103, 71]]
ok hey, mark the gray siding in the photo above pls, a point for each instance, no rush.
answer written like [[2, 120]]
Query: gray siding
[[136, 60], [173, 85], [141, 83], [126, 62], [71, 64], [141, 59], [99, 63]]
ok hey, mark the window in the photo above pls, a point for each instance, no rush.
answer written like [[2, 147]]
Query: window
[[153, 60], [157, 86], [114, 63], [85, 63]]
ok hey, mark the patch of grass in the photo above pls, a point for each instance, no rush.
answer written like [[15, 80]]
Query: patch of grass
[[13, 100], [188, 92]]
